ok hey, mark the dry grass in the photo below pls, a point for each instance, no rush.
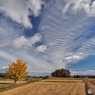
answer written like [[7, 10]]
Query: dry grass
[[50, 87], [7, 81], [7, 84]]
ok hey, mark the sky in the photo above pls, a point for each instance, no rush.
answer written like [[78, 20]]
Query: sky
[[48, 35]]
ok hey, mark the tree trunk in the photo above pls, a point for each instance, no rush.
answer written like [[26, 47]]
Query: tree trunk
[[15, 81]]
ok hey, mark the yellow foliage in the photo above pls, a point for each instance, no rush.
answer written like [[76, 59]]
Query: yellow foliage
[[17, 70]]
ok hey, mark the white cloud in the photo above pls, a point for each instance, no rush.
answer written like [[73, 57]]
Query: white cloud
[[36, 38], [20, 10], [35, 6], [87, 72], [41, 48], [22, 42], [73, 58], [5, 67]]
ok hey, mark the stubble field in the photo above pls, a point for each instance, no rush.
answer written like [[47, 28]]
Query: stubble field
[[51, 87]]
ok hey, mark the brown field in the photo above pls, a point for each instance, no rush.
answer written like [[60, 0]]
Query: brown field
[[50, 87], [90, 84]]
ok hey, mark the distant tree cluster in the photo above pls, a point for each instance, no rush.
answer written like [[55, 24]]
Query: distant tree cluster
[[77, 76], [61, 73], [84, 76], [2, 75]]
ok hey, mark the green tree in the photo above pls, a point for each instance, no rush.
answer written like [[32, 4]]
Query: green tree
[[17, 70]]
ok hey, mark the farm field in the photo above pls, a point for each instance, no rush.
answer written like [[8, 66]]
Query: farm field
[[90, 84], [50, 87]]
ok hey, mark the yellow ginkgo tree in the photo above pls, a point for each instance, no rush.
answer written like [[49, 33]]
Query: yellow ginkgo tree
[[17, 70]]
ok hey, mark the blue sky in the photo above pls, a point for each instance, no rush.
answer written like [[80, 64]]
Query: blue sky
[[48, 35]]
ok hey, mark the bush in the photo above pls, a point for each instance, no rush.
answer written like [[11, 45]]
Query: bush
[[45, 77]]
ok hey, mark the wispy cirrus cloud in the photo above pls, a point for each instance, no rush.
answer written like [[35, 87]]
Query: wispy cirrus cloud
[[4, 67], [70, 34]]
